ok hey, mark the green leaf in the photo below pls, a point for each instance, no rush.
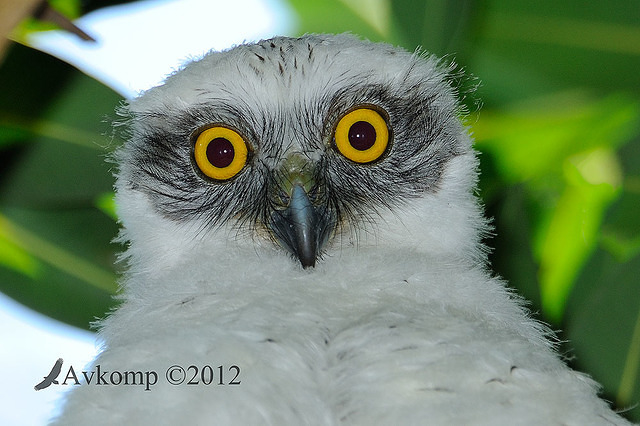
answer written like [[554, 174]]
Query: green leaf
[[607, 291], [630, 377], [55, 245], [571, 234], [107, 204], [55, 255], [565, 31], [563, 149], [367, 18], [532, 140], [602, 325], [15, 257], [438, 26]]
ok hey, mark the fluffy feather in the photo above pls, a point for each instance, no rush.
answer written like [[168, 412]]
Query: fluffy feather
[[400, 322]]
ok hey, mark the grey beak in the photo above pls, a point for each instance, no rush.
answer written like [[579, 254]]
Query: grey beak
[[301, 227]]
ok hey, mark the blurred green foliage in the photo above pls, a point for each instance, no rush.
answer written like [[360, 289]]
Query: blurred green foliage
[[55, 251], [558, 132]]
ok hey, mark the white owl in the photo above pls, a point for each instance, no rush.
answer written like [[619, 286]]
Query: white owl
[[304, 248]]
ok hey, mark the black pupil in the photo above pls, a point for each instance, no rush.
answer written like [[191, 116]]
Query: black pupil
[[362, 135], [220, 152]]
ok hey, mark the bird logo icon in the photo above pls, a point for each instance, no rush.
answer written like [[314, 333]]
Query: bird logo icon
[[51, 377]]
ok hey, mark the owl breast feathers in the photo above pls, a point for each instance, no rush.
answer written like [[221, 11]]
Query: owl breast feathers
[[302, 229]]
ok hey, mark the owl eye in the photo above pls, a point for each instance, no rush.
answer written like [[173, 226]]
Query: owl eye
[[362, 135], [220, 153]]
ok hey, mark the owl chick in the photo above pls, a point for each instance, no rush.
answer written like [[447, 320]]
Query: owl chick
[[304, 248]]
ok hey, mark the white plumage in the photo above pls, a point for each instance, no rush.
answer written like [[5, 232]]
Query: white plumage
[[394, 318]]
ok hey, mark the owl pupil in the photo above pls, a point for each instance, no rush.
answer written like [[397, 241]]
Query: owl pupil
[[362, 135], [220, 152]]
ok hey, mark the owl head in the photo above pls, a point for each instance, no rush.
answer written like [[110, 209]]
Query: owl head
[[304, 148]]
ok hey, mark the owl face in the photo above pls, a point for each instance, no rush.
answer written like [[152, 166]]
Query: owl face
[[293, 141]]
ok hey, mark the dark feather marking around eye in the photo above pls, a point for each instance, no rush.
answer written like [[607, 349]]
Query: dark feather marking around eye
[[238, 116], [420, 149], [163, 170]]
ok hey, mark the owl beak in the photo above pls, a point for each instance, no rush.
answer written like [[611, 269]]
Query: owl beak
[[302, 227]]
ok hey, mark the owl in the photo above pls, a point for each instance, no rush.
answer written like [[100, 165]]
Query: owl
[[305, 247]]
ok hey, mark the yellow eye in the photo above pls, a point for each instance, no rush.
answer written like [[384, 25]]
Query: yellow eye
[[220, 153], [362, 135]]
